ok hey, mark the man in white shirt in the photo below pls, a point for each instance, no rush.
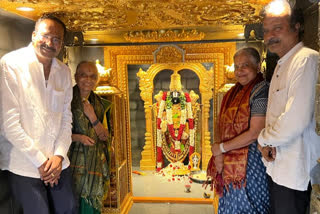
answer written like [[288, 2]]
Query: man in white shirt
[[36, 92], [288, 142]]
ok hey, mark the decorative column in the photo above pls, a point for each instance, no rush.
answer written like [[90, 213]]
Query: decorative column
[[206, 91], [147, 161]]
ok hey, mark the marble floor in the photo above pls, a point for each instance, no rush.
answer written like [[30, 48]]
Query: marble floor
[[151, 185]]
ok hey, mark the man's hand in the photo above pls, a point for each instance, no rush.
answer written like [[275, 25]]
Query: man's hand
[[52, 170], [215, 149], [44, 174], [218, 160], [268, 153], [41, 170], [55, 182]]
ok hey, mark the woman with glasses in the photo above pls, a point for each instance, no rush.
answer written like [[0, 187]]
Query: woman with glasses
[[236, 168], [89, 152]]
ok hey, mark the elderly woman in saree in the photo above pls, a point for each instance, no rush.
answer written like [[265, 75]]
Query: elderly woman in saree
[[90, 149], [237, 171]]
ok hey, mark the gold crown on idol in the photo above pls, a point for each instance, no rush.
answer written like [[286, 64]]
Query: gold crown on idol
[[175, 83]]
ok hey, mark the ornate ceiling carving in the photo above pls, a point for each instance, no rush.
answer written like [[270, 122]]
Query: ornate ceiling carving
[[115, 16]]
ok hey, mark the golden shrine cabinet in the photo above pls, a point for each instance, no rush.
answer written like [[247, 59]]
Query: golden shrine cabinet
[[134, 71]]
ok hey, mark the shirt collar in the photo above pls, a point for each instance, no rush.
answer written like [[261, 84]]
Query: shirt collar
[[33, 56], [290, 53]]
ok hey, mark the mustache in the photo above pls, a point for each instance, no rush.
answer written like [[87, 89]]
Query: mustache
[[47, 47], [272, 41]]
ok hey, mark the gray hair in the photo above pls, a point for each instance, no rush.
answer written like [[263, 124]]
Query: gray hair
[[252, 52], [90, 63]]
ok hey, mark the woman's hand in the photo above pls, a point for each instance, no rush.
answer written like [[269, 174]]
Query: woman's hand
[[218, 160], [215, 149], [89, 111], [103, 137], [101, 132], [85, 140]]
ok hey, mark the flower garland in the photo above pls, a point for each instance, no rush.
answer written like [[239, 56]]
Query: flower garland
[[186, 113], [183, 118]]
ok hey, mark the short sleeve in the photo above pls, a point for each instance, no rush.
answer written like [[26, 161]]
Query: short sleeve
[[259, 99]]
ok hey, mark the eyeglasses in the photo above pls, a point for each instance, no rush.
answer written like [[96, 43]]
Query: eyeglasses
[[47, 38], [91, 77], [241, 66]]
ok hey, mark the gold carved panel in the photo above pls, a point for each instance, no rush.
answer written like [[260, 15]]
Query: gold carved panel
[[120, 21], [138, 15], [168, 54]]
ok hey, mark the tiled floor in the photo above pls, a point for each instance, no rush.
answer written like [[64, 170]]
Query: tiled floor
[[166, 208], [151, 185]]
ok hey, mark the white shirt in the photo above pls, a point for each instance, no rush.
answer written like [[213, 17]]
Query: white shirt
[[36, 120], [290, 122]]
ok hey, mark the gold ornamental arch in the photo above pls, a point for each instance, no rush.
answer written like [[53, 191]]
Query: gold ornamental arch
[[206, 77]]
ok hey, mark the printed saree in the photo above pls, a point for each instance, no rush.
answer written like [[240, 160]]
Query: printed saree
[[233, 120]]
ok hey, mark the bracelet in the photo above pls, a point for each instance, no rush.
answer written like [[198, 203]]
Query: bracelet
[[95, 123], [221, 148]]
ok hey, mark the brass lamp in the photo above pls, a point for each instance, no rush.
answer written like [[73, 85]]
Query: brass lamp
[[104, 87]]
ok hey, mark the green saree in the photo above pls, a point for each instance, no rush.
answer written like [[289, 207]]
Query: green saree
[[90, 165]]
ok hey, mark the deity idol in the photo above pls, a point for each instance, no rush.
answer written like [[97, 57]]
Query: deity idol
[[175, 123]]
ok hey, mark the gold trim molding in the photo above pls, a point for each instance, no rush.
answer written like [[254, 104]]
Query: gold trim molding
[[164, 35]]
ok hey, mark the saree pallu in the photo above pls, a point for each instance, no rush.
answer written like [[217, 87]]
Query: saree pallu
[[90, 165], [233, 120]]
